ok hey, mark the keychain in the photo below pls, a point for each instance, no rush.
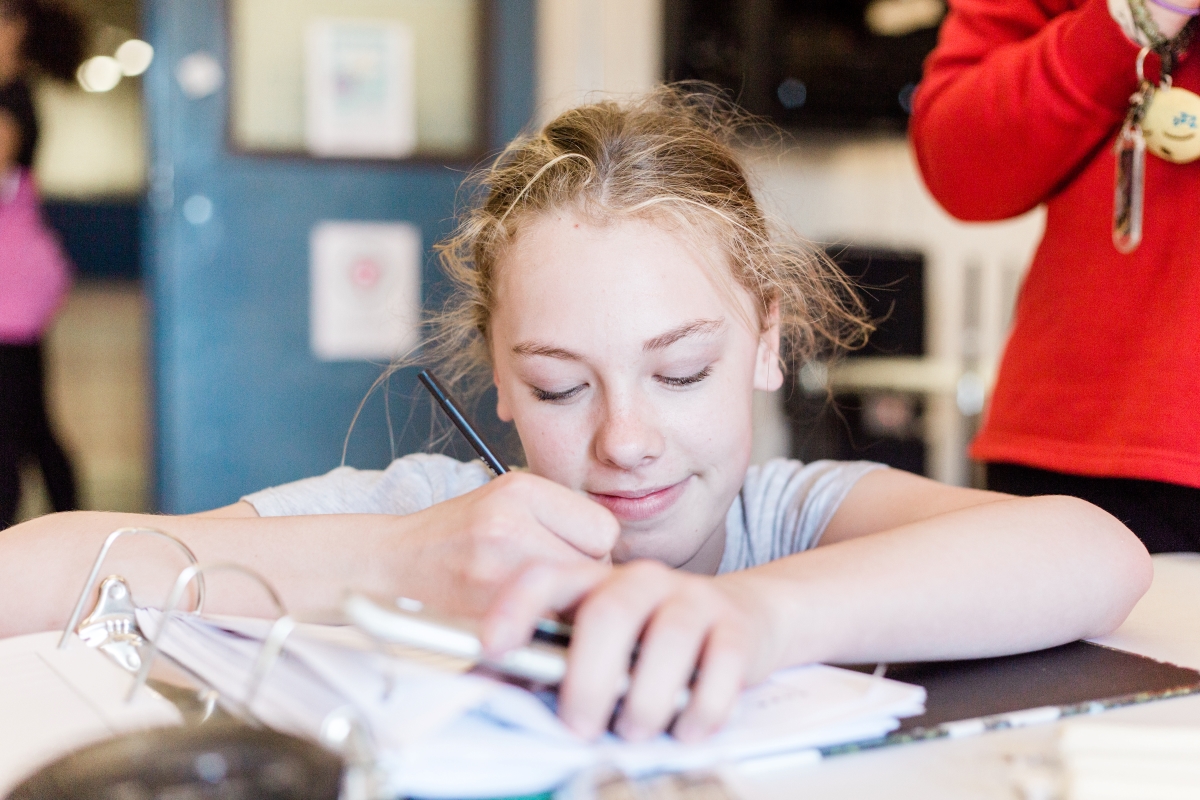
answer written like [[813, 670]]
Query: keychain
[[1171, 124], [1131, 166], [1164, 120]]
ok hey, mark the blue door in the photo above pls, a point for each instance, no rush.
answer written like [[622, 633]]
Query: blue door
[[241, 403]]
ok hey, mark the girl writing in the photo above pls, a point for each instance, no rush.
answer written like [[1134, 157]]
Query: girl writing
[[621, 287]]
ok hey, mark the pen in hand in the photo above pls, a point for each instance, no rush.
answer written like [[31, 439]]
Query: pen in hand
[[456, 415]]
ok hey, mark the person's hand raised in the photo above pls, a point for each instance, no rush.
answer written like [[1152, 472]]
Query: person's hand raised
[[1168, 21], [464, 549]]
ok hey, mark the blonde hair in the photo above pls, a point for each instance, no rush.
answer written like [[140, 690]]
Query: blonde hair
[[668, 156]]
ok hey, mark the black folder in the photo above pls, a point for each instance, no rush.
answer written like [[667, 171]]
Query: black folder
[[991, 693]]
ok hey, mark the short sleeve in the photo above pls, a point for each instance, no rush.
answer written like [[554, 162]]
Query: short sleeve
[[408, 485], [784, 508]]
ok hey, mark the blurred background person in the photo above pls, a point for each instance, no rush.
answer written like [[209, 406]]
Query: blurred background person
[[1020, 105], [34, 273]]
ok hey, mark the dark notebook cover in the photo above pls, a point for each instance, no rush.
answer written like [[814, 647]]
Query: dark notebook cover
[[1076, 678]]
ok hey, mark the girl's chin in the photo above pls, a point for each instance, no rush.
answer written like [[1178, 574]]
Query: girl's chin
[[661, 546]]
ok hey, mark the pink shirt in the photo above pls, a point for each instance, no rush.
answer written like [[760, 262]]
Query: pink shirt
[[34, 272]]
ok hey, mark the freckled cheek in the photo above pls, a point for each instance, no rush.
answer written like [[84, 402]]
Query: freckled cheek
[[718, 428], [555, 447]]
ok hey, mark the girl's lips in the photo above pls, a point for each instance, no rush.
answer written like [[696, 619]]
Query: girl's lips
[[637, 506]]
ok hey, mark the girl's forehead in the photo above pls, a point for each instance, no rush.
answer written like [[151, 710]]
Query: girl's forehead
[[630, 274], [569, 248]]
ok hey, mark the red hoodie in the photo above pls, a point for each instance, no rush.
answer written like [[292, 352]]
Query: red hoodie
[[1020, 105]]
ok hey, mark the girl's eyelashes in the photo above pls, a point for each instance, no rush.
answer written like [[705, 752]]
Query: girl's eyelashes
[[554, 397], [546, 396], [687, 380]]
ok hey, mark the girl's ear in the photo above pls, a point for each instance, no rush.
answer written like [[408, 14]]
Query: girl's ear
[[502, 406], [768, 366]]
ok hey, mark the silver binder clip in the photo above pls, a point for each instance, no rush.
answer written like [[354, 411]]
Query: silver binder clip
[[112, 626]]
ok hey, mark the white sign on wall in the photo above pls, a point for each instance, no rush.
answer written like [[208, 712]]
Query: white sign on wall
[[365, 282], [360, 88]]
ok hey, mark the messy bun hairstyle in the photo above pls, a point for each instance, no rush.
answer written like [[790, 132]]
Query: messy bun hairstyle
[[667, 156]]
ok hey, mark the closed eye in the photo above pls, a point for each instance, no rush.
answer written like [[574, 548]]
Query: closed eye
[[687, 380], [556, 397]]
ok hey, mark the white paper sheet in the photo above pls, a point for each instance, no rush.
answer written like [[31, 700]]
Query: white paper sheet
[[443, 734]]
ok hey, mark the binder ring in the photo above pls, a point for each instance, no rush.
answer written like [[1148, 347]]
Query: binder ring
[[271, 647], [90, 585]]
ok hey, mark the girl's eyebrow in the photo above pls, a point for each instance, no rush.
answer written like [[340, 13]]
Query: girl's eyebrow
[[698, 326], [526, 349], [660, 342]]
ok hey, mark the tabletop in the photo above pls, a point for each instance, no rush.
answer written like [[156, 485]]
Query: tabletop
[[1164, 625]]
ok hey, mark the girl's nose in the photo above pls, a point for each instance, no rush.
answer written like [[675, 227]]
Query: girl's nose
[[628, 438]]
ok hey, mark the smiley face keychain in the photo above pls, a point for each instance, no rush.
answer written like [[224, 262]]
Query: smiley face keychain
[[1171, 124]]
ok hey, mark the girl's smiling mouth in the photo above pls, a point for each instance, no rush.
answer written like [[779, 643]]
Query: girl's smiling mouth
[[636, 505]]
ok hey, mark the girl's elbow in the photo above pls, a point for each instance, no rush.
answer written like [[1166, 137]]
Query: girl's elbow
[[1121, 561]]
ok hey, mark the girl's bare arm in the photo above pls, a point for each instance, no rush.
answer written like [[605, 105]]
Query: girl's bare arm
[[452, 555]]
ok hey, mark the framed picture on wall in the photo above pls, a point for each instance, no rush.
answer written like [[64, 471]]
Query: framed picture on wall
[[359, 89], [370, 79]]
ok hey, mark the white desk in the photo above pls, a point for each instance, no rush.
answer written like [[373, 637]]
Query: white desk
[[1165, 625]]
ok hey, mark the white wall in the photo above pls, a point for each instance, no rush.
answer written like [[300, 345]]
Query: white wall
[[588, 46]]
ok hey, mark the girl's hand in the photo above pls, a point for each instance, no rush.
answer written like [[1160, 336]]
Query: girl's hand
[[1169, 22], [462, 550], [682, 624]]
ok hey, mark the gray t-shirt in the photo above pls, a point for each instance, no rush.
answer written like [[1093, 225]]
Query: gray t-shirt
[[783, 507]]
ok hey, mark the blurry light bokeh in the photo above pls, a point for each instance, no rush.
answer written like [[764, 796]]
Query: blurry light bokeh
[[902, 17], [134, 57], [99, 74]]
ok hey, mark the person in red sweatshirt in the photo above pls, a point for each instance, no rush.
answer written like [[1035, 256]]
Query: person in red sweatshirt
[[1098, 394]]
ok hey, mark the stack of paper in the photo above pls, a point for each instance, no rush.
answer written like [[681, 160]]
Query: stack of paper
[[438, 733]]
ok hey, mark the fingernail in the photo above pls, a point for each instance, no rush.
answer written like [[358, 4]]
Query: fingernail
[[497, 638], [631, 732], [689, 731], [583, 727]]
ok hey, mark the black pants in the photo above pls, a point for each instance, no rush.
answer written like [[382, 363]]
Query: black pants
[[1165, 516], [25, 433]]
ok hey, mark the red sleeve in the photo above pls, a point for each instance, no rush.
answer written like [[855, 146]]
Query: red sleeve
[[1016, 97]]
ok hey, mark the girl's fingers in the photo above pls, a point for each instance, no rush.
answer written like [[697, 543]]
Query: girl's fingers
[[539, 588], [677, 618], [720, 680], [666, 661], [585, 525], [607, 625]]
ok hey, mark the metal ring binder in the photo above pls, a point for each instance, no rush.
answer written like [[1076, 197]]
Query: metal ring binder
[[99, 562], [267, 655], [112, 626], [343, 732]]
